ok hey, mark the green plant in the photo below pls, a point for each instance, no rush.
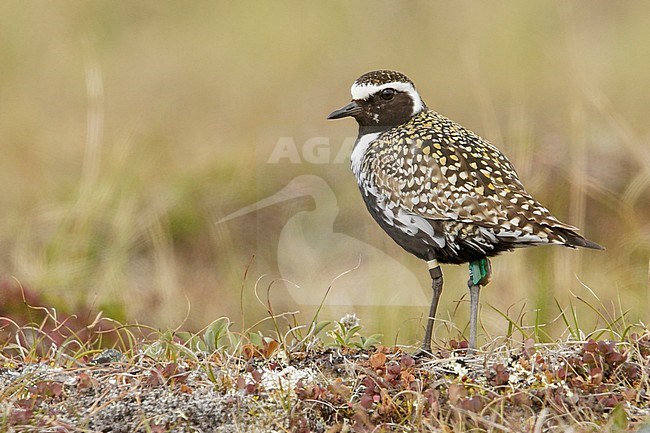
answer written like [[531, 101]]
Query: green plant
[[346, 334]]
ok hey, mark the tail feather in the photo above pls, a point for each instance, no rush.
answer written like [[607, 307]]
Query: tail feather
[[575, 240]]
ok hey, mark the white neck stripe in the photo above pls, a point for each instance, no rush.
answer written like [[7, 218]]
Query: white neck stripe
[[359, 151], [363, 91]]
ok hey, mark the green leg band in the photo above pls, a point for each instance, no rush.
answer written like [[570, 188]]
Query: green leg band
[[478, 271]]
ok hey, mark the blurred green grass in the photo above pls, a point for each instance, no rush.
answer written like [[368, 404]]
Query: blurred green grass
[[129, 128]]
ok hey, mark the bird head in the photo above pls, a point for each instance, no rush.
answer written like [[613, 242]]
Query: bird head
[[381, 100]]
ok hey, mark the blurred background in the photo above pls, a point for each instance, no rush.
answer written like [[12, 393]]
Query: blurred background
[[130, 131]]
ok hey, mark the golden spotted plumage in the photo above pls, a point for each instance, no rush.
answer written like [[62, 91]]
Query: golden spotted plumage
[[434, 168], [439, 190]]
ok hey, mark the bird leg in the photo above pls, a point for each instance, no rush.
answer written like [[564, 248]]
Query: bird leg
[[436, 285], [480, 272]]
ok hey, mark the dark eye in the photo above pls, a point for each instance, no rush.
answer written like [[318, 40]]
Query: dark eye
[[387, 94]]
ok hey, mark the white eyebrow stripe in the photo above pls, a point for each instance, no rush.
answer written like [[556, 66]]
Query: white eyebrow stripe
[[363, 91]]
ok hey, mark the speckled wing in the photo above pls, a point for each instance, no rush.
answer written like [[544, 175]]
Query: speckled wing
[[435, 169]]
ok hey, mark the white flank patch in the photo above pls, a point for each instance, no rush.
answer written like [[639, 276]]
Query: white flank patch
[[363, 91], [359, 150], [411, 224]]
